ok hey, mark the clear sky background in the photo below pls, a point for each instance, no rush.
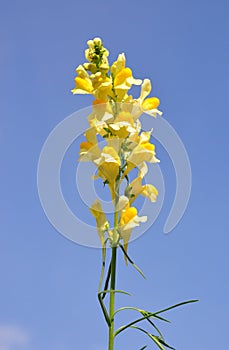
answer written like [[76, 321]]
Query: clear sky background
[[48, 284]]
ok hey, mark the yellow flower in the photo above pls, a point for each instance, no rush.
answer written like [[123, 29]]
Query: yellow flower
[[150, 192], [148, 105], [124, 79], [123, 125], [108, 167], [128, 220], [118, 65], [101, 221], [127, 215], [89, 150], [82, 81], [83, 86], [136, 188], [143, 152], [96, 53]]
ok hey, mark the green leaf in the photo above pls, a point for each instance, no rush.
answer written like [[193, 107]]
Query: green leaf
[[114, 291], [154, 338], [103, 266], [176, 305], [131, 261], [156, 328], [156, 341], [139, 270], [123, 328], [164, 343], [144, 347], [140, 310], [161, 318], [105, 313], [107, 280]]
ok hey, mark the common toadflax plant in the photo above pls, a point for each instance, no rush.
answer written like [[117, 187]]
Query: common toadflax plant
[[116, 144]]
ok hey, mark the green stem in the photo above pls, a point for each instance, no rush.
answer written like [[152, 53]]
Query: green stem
[[112, 299], [113, 271]]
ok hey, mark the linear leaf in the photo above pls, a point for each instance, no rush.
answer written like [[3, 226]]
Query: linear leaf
[[105, 313], [140, 310], [176, 305], [122, 328], [154, 338], [103, 267], [131, 261], [113, 291], [164, 343]]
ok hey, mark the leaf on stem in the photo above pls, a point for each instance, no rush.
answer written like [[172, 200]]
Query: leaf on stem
[[107, 280], [141, 311], [129, 325], [157, 340], [131, 261], [176, 305], [114, 291]]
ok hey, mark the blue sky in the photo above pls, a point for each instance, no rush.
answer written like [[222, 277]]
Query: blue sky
[[48, 284]]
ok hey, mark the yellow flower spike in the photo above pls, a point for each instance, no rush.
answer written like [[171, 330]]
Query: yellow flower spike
[[150, 103], [101, 221]]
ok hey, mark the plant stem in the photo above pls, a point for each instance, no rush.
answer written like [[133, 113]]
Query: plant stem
[[112, 299], [113, 271]]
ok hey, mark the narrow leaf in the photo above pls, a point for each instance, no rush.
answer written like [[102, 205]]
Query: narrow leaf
[[140, 310], [114, 291], [131, 261], [122, 328], [151, 337], [156, 328], [107, 280], [176, 305], [105, 313], [103, 267], [164, 343]]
